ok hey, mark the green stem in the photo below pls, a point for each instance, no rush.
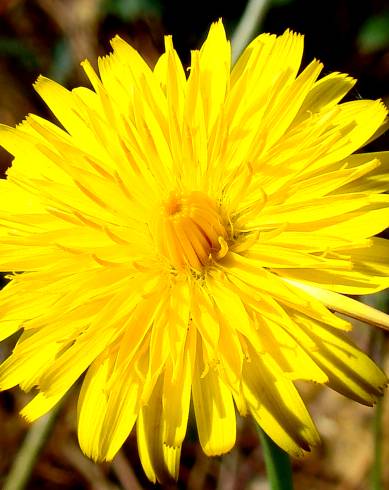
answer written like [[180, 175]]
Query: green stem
[[278, 467], [25, 459], [248, 26], [377, 349], [379, 301]]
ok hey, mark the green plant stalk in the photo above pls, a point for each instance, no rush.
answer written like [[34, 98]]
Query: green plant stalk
[[25, 460], [248, 26], [277, 461], [377, 345], [376, 350]]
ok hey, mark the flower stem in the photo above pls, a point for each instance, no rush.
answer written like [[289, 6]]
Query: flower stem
[[377, 346], [248, 26], [376, 350], [25, 459], [278, 467]]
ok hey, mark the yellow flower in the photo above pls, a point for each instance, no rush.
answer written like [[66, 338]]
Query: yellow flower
[[187, 238]]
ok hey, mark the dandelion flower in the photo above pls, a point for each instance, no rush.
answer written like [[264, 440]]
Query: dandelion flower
[[187, 236]]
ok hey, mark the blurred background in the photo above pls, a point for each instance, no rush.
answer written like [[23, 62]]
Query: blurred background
[[51, 37]]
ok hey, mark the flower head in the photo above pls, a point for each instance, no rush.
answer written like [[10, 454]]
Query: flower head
[[188, 238]]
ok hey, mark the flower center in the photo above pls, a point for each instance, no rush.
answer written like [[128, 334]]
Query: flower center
[[191, 230]]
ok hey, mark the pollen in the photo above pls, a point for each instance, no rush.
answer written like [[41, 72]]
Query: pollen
[[190, 230]]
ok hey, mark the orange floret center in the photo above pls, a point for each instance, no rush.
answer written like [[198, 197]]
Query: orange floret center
[[191, 230]]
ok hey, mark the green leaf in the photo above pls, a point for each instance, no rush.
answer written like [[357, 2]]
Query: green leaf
[[16, 49], [374, 34], [62, 63], [131, 9], [277, 461]]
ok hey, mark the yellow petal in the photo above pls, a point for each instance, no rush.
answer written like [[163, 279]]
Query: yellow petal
[[214, 410], [293, 359], [25, 366], [64, 371], [349, 370], [345, 305], [124, 393], [61, 102], [277, 407], [92, 407], [372, 260], [39, 406], [160, 462], [377, 180], [176, 393], [346, 282], [324, 94], [215, 60]]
